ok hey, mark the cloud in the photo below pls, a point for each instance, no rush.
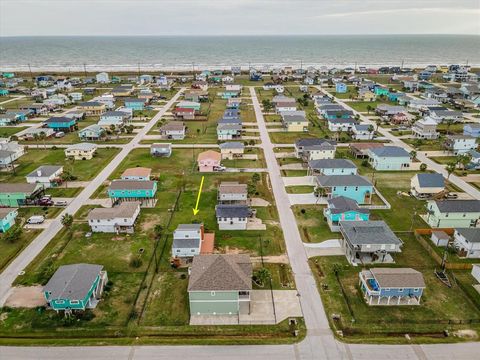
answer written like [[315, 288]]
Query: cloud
[[449, 11]]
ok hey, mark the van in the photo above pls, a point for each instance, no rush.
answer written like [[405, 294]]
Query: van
[[36, 219]]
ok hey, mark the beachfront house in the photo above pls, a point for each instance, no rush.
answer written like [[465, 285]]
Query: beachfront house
[[115, 220], [133, 190], [453, 213], [7, 218], [460, 144], [232, 150], [75, 287], [173, 130], [102, 78], [161, 149], [46, 175], [391, 286], [331, 167], [81, 151], [466, 242], [367, 242], [92, 132], [314, 149], [342, 208], [220, 285], [209, 161], [426, 185], [354, 187], [389, 158], [232, 216]]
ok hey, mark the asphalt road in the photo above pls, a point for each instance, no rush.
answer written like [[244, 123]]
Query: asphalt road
[[35, 247]]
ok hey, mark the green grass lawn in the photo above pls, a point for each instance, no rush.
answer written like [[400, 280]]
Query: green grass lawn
[[6, 131], [312, 225], [8, 250], [83, 169], [63, 191], [301, 189]]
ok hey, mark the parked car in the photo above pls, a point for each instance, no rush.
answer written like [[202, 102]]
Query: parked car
[[451, 196], [36, 219], [219, 168], [45, 201], [59, 134], [61, 203]]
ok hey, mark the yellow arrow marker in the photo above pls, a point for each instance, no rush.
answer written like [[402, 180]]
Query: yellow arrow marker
[[196, 210]]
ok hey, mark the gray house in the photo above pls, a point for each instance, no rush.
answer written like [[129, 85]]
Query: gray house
[[187, 240], [158, 149], [232, 192], [367, 242], [232, 216]]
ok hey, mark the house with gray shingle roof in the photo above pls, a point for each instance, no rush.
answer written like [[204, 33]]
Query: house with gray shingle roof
[[220, 285], [232, 149], [342, 208], [232, 192], [314, 149], [389, 158], [427, 184], [232, 216], [331, 167], [466, 241], [354, 187], [392, 286], [117, 219], [368, 242], [453, 213], [47, 175], [75, 287]]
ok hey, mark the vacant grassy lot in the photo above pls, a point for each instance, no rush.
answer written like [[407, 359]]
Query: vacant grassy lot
[[6, 131], [82, 169], [312, 225]]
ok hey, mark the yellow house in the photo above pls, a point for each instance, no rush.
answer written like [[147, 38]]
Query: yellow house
[[92, 108], [81, 151], [232, 150], [366, 95], [294, 123]]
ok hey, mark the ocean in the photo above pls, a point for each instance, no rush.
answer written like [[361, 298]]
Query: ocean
[[199, 52]]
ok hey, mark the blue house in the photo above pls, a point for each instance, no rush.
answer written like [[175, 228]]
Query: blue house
[[354, 187], [331, 167], [133, 190], [134, 104], [7, 218], [472, 130], [231, 114], [394, 96], [338, 114], [340, 87], [230, 94], [61, 123], [389, 158], [75, 287], [392, 286], [342, 208]]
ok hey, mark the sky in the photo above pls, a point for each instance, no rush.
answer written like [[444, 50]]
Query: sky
[[237, 17]]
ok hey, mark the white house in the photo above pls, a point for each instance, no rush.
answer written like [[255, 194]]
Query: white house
[[102, 78], [427, 184], [187, 240], [232, 216], [47, 175], [363, 132], [460, 144], [115, 118], [466, 242], [118, 219]]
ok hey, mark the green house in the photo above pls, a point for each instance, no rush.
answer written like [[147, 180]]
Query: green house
[[220, 285], [453, 213], [14, 195], [75, 287], [380, 90]]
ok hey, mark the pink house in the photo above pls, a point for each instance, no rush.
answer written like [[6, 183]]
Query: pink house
[[208, 160]]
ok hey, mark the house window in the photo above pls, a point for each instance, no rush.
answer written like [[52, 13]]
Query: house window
[[178, 250], [59, 301], [416, 289], [400, 290], [74, 302], [387, 289], [212, 293]]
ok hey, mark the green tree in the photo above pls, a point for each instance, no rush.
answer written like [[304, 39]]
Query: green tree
[[13, 234], [267, 105], [369, 108], [450, 168], [256, 177], [413, 154], [67, 221], [263, 276]]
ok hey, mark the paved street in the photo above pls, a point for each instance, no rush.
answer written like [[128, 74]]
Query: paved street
[[33, 249]]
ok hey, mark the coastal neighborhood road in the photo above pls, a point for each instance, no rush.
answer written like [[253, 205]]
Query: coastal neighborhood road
[[35, 247], [432, 165]]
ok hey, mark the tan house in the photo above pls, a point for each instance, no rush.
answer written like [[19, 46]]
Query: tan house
[[232, 150], [92, 108], [81, 151], [209, 161], [366, 95]]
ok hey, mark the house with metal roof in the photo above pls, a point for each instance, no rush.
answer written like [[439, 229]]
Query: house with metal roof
[[314, 149], [115, 118], [472, 130], [81, 151], [391, 286], [337, 124], [232, 216], [331, 167], [427, 184], [133, 190], [389, 158], [232, 192], [466, 241], [232, 150], [174, 130], [220, 285], [46, 175], [363, 132], [135, 104], [354, 187], [137, 173], [117, 219], [342, 208], [229, 131], [75, 287], [425, 128], [61, 123], [453, 213], [368, 242], [161, 149]]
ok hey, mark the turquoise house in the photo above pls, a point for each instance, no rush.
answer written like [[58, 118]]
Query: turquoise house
[[3, 92], [341, 88], [389, 158], [381, 90], [133, 190], [394, 96], [342, 208], [230, 94], [135, 104], [354, 187], [7, 218], [75, 287], [61, 123]]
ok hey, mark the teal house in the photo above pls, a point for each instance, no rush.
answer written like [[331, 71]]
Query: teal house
[[19, 194], [381, 90], [75, 287], [3, 92], [354, 187], [230, 94], [394, 96], [92, 132], [135, 104], [189, 105], [342, 208], [220, 285], [61, 123], [389, 158], [7, 218], [133, 190]]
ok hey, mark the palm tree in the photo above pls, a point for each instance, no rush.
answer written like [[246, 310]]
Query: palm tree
[[450, 168], [463, 160], [67, 220], [263, 275], [413, 154], [369, 108], [42, 136]]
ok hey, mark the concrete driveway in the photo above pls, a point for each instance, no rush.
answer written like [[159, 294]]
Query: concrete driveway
[[298, 180], [306, 199], [330, 247]]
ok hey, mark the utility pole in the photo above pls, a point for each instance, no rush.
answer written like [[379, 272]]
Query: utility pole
[[85, 69], [30, 70], [403, 61], [138, 68]]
